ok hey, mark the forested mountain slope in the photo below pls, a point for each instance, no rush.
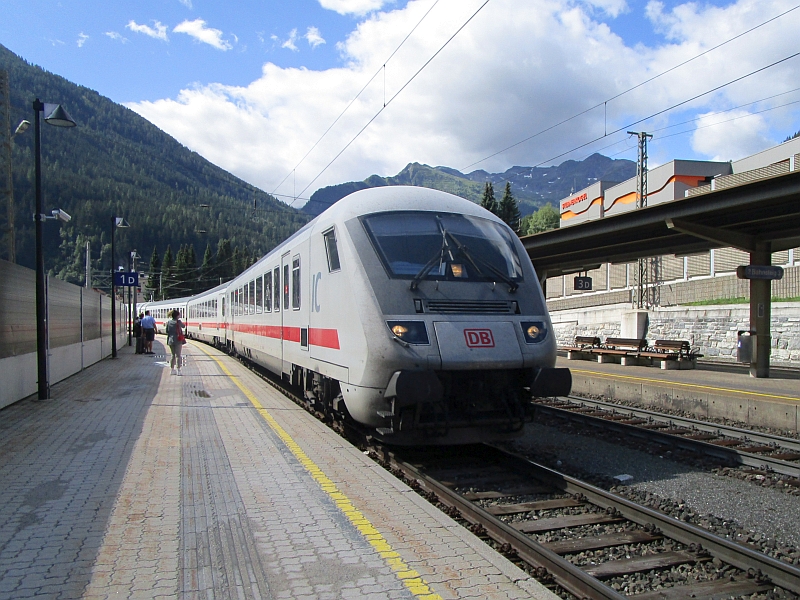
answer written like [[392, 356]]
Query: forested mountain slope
[[115, 163]]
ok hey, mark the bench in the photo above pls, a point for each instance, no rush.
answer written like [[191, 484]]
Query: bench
[[626, 348], [673, 354], [583, 343]]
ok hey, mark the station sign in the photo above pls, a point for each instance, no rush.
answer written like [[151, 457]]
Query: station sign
[[583, 284], [123, 279], [769, 272]]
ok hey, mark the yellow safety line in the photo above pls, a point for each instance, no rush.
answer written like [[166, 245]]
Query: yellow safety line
[[689, 385], [410, 578]]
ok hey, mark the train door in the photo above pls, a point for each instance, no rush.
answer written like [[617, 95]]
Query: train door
[[286, 266]]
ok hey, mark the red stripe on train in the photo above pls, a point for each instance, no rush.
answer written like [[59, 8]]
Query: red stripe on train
[[324, 338]]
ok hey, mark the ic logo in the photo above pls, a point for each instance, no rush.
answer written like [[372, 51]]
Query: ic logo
[[479, 338]]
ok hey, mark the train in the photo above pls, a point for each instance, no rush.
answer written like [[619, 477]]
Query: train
[[411, 312]]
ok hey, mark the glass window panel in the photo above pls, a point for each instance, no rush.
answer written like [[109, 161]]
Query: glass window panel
[[296, 282], [276, 274], [286, 287], [331, 250], [268, 292]]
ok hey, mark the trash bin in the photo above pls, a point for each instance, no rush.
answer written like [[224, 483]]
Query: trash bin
[[744, 346]]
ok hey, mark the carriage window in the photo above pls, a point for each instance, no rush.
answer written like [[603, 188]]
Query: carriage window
[[223, 306], [296, 282], [268, 291], [331, 250], [251, 309], [276, 275], [286, 287]]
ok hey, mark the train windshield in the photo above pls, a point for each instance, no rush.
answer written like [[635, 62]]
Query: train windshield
[[443, 246]]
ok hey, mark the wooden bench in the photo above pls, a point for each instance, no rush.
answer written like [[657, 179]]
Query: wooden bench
[[583, 344], [625, 348], [673, 354]]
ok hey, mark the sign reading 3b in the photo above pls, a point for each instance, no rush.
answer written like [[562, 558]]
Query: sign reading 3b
[[123, 279]]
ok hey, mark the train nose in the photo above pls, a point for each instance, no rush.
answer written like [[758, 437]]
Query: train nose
[[481, 345]]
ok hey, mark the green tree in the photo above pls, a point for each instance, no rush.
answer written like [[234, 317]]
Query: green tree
[[207, 269], [167, 275], [224, 262], [508, 210], [488, 202], [543, 219], [153, 276]]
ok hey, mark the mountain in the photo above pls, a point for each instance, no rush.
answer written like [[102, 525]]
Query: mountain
[[532, 186], [116, 163]]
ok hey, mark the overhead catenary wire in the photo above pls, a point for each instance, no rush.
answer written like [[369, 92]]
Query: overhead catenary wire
[[361, 91], [638, 85], [387, 103], [670, 108]]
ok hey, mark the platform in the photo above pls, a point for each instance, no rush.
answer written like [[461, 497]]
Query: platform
[[134, 483], [710, 390]]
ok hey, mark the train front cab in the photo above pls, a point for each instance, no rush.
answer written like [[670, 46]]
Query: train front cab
[[462, 328]]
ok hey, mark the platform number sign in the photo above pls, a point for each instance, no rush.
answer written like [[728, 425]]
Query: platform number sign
[[583, 284]]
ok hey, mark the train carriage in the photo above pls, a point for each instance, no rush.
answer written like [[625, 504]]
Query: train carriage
[[414, 312]]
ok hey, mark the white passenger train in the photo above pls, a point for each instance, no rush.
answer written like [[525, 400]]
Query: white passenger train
[[414, 312]]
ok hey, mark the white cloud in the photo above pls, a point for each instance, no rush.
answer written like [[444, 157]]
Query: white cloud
[[722, 138], [313, 37], [158, 31], [82, 37], [353, 7], [198, 30], [114, 35], [290, 43], [516, 69], [186, 3]]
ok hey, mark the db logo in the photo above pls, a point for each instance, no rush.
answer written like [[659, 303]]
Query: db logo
[[479, 338]]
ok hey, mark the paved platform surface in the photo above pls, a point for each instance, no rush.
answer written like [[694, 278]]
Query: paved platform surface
[[710, 390], [133, 483]]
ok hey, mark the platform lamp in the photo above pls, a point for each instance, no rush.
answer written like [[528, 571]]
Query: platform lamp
[[116, 223], [54, 114]]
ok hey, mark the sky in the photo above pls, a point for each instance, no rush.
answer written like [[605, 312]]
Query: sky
[[294, 95]]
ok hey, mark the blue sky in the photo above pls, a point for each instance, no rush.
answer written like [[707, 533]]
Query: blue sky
[[271, 77]]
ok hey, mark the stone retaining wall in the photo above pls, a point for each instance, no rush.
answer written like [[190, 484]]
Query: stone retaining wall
[[711, 330]]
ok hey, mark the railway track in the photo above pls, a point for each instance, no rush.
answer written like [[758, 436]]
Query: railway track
[[731, 445], [575, 536], [591, 543]]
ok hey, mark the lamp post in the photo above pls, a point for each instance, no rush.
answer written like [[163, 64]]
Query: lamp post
[[116, 223], [54, 114]]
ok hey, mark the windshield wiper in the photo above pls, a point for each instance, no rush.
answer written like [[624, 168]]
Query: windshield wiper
[[476, 261], [436, 258]]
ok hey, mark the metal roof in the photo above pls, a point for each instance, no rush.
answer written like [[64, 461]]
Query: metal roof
[[751, 214]]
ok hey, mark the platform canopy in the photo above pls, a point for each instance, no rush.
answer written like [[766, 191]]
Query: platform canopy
[[760, 215]]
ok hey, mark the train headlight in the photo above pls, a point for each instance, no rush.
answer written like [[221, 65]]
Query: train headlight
[[410, 332], [534, 331]]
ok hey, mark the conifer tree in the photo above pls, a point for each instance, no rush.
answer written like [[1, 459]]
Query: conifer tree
[[167, 274], [224, 261], [488, 202], [153, 276], [207, 269], [508, 209]]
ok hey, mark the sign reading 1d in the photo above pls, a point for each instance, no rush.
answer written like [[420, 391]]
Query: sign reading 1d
[[123, 279], [759, 272]]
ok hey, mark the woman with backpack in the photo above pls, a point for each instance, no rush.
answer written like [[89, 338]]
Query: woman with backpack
[[175, 340]]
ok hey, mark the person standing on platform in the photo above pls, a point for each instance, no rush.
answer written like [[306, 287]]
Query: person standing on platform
[[149, 330], [137, 333], [175, 340]]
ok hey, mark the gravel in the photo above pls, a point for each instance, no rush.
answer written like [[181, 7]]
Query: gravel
[[744, 510]]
